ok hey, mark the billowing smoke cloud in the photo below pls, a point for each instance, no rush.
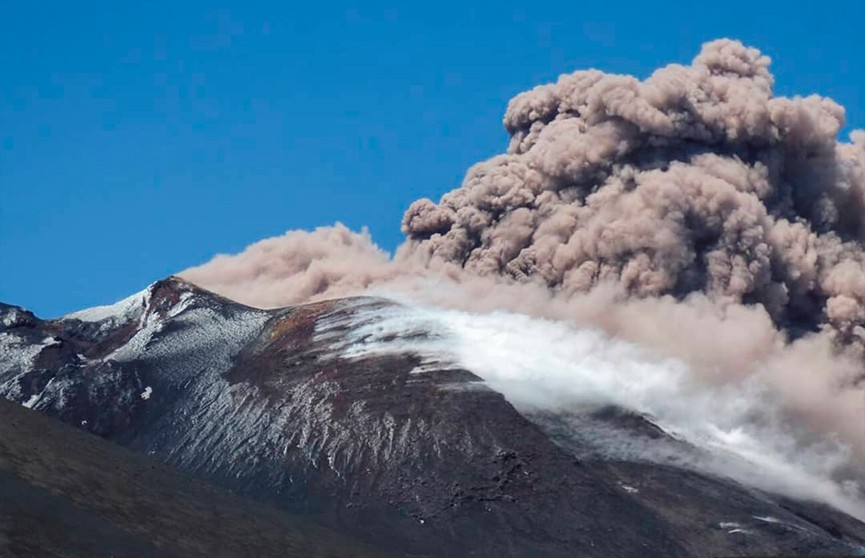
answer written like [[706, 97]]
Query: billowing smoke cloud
[[695, 180], [693, 213]]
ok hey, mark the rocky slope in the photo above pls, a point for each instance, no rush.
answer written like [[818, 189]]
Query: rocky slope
[[416, 456], [68, 493]]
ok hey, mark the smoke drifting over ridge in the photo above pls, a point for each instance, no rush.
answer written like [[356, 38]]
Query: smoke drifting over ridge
[[693, 213]]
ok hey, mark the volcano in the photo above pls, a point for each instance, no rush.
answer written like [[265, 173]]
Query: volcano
[[407, 453]]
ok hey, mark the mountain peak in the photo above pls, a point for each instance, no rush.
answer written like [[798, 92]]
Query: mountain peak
[[347, 411]]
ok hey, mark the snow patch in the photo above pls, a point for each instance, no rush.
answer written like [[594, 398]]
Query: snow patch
[[131, 307], [18, 354], [146, 393], [768, 519], [151, 324], [33, 400], [11, 317]]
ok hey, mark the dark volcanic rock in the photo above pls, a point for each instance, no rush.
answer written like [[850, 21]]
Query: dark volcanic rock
[[67, 493], [416, 456]]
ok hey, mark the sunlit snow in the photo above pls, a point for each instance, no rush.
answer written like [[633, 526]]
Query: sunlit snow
[[124, 309]]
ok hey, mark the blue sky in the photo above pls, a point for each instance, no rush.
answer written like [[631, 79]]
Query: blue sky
[[137, 139]]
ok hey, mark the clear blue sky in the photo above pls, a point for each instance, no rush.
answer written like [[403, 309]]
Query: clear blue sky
[[139, 138]]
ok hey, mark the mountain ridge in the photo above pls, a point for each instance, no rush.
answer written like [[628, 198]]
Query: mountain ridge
[[422, 457]]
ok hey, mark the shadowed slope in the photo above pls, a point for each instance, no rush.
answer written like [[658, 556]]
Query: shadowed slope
[[68, 493]]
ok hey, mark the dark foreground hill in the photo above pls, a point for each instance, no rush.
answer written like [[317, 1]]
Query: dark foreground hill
[[414, 456], [68, 493]]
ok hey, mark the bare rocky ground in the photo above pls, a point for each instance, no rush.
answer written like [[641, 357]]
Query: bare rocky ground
[[68, 493]]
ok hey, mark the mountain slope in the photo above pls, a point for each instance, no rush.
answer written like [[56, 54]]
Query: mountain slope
[[415, 455], [67, 493]]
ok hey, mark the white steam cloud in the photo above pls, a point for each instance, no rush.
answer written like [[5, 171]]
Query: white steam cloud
[[543, 366]]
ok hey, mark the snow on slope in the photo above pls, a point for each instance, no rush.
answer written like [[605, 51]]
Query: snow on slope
[[127, 309], [540, 366], [170, 319], [18, 352], [545, 366]]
